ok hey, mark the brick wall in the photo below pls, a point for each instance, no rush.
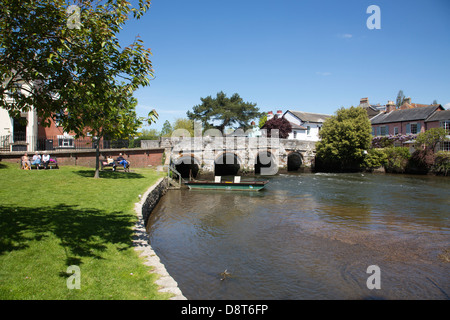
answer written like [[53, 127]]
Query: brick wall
[[139, 158]]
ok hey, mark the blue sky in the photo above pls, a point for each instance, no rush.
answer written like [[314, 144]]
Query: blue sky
[[304, 55]]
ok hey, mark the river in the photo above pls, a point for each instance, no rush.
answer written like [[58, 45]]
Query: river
[[309, 236]]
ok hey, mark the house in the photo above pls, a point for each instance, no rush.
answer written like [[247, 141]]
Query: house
[[18, 133], [410, 119], [372, 110], [25, 132], [305, 125]]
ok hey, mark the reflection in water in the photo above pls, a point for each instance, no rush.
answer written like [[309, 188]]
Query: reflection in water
[[309, 236]]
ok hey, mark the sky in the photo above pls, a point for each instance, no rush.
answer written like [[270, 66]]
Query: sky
[[302, 55]]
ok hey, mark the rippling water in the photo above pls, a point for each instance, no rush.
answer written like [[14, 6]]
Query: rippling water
[[309, 236]]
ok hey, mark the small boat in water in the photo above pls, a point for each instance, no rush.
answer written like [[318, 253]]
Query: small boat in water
[[235, 185]]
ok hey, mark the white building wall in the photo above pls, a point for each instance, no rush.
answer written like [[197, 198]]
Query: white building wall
[[6, 124], [311, 135]]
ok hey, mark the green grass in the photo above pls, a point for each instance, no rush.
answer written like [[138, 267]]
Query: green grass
[[52, 219]]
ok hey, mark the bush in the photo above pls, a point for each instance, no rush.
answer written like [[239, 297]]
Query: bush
[[421, 161], [375, 158], [442, 163], [397, 159]]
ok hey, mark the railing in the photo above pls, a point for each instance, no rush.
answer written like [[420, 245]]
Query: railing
[[32, 143], [172, 175]]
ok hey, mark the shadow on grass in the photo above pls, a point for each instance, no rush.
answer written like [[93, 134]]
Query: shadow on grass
[[109, 174], [82, 232]]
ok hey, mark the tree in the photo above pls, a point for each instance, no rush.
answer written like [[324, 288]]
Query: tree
[[281, 124], [227, 112], [262, 120], [78, 68], [345, 139], [400, 99], [431, 138], [184, 124], [166, 130]]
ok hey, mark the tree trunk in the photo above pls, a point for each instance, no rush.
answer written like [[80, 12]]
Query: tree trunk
[[97, 159]]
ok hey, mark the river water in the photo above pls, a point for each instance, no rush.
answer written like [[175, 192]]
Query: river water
[[309, 236]]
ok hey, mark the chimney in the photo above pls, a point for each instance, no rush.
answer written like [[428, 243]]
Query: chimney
[[279, 114], [364, 102], [390, 106], [269, 115]]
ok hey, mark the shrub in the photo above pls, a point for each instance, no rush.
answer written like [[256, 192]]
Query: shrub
[[375, 158], [442, 163], [397, 159], [421, 161]]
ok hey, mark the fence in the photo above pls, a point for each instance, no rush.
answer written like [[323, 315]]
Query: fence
[[32, 143]]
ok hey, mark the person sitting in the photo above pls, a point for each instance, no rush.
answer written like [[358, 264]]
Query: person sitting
[[36, 160], [46, 159], [26, 164], [109, 160], [121, 160]]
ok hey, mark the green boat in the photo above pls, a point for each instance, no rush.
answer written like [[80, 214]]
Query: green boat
[[227, 185]]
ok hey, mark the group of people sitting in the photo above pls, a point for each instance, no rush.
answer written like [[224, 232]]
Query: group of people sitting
[[120, 160], [35, 160]]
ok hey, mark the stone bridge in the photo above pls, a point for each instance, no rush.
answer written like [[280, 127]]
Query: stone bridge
[[234, 155]]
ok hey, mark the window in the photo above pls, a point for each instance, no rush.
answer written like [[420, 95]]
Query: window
[[308, 130], [413, 128], [65, 141], [446, 125], [295, 134], [395, 130], [445, 146], [384, 131], [58, 118]]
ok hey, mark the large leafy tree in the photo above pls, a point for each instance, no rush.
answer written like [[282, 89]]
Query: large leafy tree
[[69, 62], [345, 139], [283, 126], [222, 112]]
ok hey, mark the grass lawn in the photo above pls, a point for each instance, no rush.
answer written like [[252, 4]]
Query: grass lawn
[[53, 219]]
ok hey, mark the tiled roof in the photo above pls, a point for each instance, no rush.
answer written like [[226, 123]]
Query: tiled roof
[[440, 115], [419, 113], [310, 117]]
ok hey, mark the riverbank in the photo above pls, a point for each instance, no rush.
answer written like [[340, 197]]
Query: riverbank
[[141, 243], [55, 219]]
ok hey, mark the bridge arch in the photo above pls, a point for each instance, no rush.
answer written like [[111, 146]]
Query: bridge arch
[[227, 164], [265, 163], [187, 165], [294, 161]]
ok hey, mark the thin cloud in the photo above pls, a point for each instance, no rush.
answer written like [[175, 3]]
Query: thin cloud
[[325, 74], [345, 36], [447, 106]]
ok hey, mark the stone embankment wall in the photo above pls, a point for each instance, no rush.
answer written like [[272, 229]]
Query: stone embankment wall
[[141, 243]]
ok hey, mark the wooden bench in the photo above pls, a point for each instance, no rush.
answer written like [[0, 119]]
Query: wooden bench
[[114, 166], [41, 166]]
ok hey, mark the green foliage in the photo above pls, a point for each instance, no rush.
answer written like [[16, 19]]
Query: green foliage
[[375, 158], [228, 112], [397, 159], [262, 120], [167, 129], [345, 138], [83, 74], [184, 126], [431, 138], [442, 163]]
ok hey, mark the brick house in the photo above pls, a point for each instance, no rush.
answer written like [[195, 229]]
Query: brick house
[[410, 119]]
